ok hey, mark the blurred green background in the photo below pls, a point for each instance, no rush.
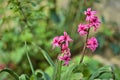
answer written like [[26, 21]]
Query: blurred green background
[[39, 21]]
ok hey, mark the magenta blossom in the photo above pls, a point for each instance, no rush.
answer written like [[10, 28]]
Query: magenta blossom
[[89, 14], [56, 42], [95, 22], [59, 40], [92, 44], [65, 38], [65, 58], [82, 29], [64, 48], [62, 42]]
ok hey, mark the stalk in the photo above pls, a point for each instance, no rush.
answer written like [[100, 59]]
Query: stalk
[[84, 48], [30, 63], [58, 68]]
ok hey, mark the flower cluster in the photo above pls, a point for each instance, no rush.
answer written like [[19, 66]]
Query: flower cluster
[[63, 42], [92, 43], [83, 29], [93, 20]]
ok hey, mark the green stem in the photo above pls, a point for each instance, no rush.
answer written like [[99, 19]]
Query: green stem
[[31, 66], [58, 71], [113, 74], [16, 76], [84, 48]]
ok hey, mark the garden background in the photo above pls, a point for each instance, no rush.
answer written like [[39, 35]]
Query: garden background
[[38, 21]]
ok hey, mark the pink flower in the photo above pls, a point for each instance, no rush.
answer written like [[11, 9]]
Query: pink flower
[[82, 29], [56, 42], [62, 42], [59, 40], [65, 38], [92, 44], [65, 58], [95, 22], [89, 14], [64, 48]]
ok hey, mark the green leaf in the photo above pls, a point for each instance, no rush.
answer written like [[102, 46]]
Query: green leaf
[[11, 73], [68, 72], [57, 71], [47, 57], [49, 70], [31, 66], [24, 77], [76, 76], [44, 76], [99, 72]]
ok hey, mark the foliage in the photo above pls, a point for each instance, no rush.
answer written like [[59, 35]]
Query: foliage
[[37, 21], [70, 72]]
